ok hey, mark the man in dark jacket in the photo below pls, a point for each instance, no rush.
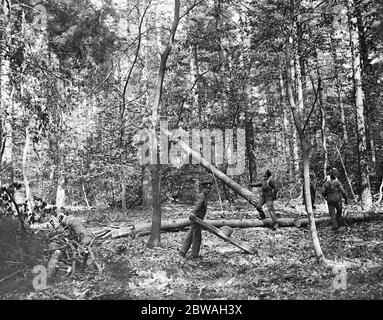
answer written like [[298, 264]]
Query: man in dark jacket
[[333, 192], [269, 194], [194, 236]]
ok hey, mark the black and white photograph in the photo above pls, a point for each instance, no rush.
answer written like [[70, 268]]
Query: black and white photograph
[[191, 157]]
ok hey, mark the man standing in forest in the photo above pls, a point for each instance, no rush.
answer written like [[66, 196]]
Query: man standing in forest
[[269, 194], [194, 236], [333, 191]]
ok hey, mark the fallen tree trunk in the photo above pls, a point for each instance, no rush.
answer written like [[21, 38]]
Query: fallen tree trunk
[[177, 225], [84, 235], [223, 236]]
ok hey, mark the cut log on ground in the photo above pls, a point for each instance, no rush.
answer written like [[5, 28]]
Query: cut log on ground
[[177, 225], [79, 229], [228, 231], [172, 225], [223, 236]]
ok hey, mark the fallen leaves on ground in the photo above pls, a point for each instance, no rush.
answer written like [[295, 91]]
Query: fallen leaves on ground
[[285, 269]]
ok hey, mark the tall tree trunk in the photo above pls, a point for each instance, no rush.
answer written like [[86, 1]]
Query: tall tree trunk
[[25, 173], [60, 191], [299, 87], [8, 146], [339, 89], [146, 181], [300, 76], [323, 117], [123, 190], [85, 195], [295, 151], [52, 146], [2, 147], [362, 143], [369, 106], [194, 75], [305, 147], [60, 194], [247, 99], [286, 128], [83, 183], [250, 147], [322, 111], [5, 91], [324, 136], [155, 235], [147, 198], [346, 174], [295, 143]]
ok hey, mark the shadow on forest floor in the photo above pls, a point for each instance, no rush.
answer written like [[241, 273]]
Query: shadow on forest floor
[[288, 271]]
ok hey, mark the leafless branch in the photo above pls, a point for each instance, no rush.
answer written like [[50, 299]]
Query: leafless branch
[[195, 4], [315, 100]]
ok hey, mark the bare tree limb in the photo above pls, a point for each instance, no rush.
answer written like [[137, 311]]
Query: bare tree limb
[[315, 100], [195, 4], [134, 61]]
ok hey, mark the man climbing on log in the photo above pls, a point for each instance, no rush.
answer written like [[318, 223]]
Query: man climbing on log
[[269, 194], [194, 236], [333, 191]]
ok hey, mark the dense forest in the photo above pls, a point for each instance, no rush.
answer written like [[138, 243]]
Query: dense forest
[[113, 112]]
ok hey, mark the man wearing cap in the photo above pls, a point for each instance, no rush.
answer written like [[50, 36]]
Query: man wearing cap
[[269, 192], [194, 236], [333, 191], [335, 171]]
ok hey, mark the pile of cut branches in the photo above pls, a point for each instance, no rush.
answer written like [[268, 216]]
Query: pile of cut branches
[[70, 247]]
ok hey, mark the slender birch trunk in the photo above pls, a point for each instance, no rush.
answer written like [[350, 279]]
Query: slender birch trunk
[[155, 235], [25, 173], [305, 146]]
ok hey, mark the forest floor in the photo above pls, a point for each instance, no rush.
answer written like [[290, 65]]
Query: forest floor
[[288, 272]]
